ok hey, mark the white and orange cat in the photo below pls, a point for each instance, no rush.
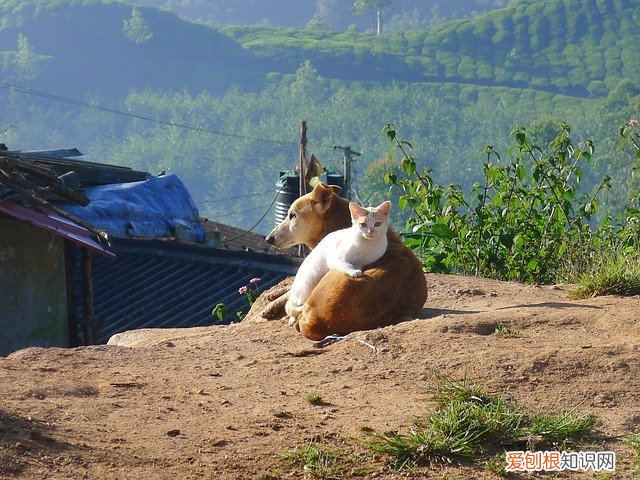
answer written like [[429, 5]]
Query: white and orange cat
[[347, 250]]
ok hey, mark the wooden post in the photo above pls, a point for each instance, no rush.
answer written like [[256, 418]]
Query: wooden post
[[303, 171], [87, 311]]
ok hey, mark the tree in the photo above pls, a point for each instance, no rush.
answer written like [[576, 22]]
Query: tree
[[136, 29], [364, 6], [25, 60], [307, 82], [326, 15]]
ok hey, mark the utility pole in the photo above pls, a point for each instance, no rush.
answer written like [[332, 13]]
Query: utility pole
[[346, 164], [303, 158], [303, 171]]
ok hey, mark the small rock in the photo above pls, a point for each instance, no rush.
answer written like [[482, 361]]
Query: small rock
[[281, 414], [604, 400], [174, 433]]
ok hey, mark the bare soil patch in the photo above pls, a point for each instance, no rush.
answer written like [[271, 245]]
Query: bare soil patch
[[228, 402]]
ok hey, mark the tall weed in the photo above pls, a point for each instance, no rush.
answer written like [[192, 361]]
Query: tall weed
[[526, 221]]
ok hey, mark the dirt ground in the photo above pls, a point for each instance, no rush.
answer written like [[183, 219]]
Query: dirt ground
[[228, 402]]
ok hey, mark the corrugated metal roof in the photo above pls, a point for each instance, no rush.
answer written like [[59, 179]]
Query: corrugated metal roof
[[159, 284], [233, 238]]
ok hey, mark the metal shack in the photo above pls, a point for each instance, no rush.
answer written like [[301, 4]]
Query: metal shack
[[88, 250], [36, 239]]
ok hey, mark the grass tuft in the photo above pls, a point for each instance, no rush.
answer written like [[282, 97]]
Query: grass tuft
[[498, 464], [557, 430], [318, 461], [468, 422], [634, 442], [615, 275]]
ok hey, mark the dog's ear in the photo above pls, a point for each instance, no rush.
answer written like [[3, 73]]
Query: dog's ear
[[322, 196]]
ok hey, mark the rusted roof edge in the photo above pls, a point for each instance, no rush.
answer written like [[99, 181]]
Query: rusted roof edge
[[56, 224]]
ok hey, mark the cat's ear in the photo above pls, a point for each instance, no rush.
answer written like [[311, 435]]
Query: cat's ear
[[384, 208], [356, 210], [322, 196]]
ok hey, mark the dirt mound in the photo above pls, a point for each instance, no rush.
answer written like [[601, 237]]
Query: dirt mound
[[228, 402]]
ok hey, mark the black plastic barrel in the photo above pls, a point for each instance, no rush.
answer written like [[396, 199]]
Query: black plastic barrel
[[335, 179], [287, 190]]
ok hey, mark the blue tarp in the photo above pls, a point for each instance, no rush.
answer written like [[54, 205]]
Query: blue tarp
[[154, 208]]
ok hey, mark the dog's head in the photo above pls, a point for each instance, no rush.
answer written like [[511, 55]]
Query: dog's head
[[305, 219]]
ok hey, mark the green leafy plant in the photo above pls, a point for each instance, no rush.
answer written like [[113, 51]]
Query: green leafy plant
[[615, 262], [219, 311], [526, 221], [469, 423], [314, 398], [250, 291]]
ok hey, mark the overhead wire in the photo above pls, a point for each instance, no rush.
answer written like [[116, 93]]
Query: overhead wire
[[94, 106], [71, 101], [246, 232], [213, 200]]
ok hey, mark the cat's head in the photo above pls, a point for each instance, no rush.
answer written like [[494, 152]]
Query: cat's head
[[371, 222]]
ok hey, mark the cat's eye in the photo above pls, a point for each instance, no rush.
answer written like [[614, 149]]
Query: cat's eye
[[378, 224], [363, 224], [292, 215]]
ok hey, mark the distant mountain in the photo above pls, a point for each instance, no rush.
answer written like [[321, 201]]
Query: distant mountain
[[106, 49]]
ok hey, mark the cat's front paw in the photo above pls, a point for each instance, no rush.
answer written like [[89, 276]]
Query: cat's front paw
[[357, 273], [293, 311]]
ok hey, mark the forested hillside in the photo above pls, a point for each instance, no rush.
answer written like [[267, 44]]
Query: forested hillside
[[106, 49], [579, 48], [222, 107]]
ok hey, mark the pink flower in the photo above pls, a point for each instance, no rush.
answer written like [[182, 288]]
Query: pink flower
[[255, 280], [242, 290], [633, 122]]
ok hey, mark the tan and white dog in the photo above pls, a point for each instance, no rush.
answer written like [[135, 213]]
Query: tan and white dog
[[391, 290]]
